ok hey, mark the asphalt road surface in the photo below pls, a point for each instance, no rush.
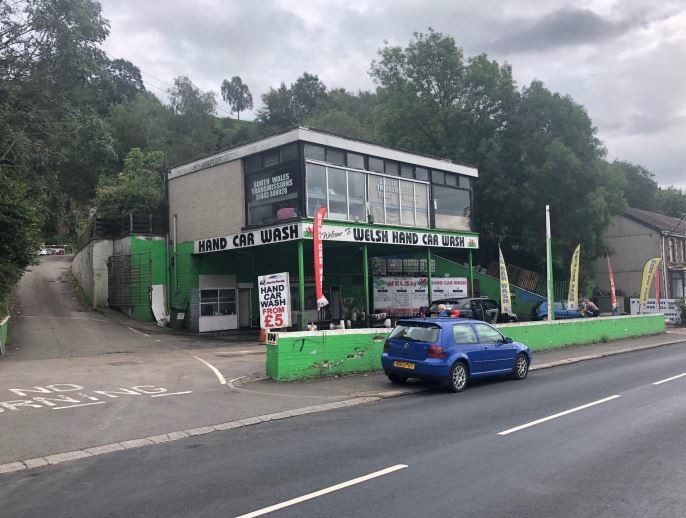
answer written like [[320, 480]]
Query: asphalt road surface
[[599, 438]]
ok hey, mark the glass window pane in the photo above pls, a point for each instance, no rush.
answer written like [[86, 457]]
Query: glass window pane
[[227, 308], [375, 193], [421, 173], [487, 334], [289, 152], [451, 179], [392, 168], [338, 194], [253, 163], [314, 152], [406, 171], [316, 187], [437, 177], [392, 192], [271, 158], [356, 196], [407, 199], [208, 296], [453, 208], [209, 310], [464, 334], [227, 295], [356, 161], [376, 164], [335, 156], [465, 182], [422, 202]]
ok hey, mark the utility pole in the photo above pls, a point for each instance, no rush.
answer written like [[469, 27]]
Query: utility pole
[[549, 265]]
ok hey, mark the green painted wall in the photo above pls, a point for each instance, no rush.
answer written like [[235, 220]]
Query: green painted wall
[[153, 251], [4, 328], [550, 335], [183, 275], [325, 353]]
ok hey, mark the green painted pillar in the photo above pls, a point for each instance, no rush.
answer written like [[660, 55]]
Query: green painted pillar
[[471, 275], [365, 272], [301, 285], [428, 274]]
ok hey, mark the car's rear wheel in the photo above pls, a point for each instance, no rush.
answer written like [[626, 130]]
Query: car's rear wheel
[[458, 377], [521, 367], [544, 317], [396, 378]]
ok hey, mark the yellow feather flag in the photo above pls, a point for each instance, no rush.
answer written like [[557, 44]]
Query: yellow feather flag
[[573, 294], [648, 273], [505, 298]]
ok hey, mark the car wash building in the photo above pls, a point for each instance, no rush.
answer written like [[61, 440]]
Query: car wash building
[[398, 230]]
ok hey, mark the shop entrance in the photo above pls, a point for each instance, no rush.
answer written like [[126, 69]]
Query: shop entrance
[[244, 307]]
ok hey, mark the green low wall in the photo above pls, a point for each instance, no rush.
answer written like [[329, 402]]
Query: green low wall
[[315, 354], [560, 333], [4, 326]]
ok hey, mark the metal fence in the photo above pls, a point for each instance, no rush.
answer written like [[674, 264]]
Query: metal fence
[[115, 228], [129, 281]]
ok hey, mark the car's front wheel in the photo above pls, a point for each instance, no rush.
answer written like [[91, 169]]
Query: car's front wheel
[[396, 379], [521, 367], [458, 377]]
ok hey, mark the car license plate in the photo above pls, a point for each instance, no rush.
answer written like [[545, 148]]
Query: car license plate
[[434, 315], [404, 365]]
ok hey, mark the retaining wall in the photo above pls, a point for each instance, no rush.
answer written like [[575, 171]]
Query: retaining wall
[[89, 267], [4, 327], [313, 354]]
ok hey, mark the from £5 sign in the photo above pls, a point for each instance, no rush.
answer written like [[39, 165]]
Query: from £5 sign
[[275, 300], [505, 298], [573, 294], [648, 273], [319, 258]]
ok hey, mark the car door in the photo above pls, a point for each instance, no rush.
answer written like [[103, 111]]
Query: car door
[[490, 310], [477, 310], [465, 341], [498, 354]]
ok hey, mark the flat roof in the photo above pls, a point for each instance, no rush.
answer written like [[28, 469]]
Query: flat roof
[[325, 139]]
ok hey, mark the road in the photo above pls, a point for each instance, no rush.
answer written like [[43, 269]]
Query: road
[[599, 438]]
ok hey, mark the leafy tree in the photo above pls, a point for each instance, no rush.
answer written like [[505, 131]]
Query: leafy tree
[[138, 188], [672, 202], [237, 94], [640, 190], [289, 106], [345, 113]]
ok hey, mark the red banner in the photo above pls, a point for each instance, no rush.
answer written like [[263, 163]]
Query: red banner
[[613, 296], [319, 257]]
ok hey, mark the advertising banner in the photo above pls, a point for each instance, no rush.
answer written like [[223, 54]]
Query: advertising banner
[[668, 307], [274, 300], [613, 294], [573, 295], [264, 236], [648, 273], [505, 298], [403, 296], [319, 258]]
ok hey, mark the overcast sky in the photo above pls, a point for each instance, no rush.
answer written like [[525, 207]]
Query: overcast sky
[[624, 60]]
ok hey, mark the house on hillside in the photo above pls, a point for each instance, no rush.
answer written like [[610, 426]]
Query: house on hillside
[[637, 236]]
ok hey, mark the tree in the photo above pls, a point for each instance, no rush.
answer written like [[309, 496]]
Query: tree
[[640, 190], [289, 106], [237, 95], [672, 202], [138, 188]]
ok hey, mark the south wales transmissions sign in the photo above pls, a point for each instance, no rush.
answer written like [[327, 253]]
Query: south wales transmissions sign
[[274, 294]]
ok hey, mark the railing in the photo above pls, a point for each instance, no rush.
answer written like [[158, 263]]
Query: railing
[[115, 228]]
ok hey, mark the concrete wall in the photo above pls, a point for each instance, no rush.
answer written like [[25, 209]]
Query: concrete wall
[[207, 203], [632, 245], [4, 328], [315, 354], [89, 267]]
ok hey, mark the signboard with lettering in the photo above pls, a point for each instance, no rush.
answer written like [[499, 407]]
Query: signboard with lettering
[[274, 296], [668, 307], [273, 185], [404, 296], [264, 236]]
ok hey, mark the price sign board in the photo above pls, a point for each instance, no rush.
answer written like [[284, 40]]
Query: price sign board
[[275, 300]]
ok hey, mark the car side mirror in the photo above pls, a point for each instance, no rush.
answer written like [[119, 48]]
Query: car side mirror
[[508, 340]]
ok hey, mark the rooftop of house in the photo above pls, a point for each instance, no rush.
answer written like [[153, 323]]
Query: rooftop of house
[[658, 222]]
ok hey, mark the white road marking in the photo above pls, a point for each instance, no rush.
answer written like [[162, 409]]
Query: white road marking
[[325, 491], [82, 404], [560, 414], [136, 331], [172, 393], [222, 380], [670, 379], [230, 382]]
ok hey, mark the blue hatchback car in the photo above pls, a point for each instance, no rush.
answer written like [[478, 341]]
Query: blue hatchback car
[[453, 350]]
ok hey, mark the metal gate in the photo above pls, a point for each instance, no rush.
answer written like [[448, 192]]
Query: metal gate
[[129, 281]]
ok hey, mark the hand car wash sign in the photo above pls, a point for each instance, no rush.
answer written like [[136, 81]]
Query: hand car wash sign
[[275, 300]]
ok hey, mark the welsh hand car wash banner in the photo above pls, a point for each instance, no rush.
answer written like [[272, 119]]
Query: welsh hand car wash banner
[[275, 300], [319, 257], [505, 298], [573, 295], [613, 294], [648, 273]]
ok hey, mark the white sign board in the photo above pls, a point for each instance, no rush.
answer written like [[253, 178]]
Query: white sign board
[[405, 295], [668, 308], [275, 300]]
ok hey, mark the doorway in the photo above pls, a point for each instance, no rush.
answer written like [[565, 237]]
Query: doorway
[[244, 307], [336, 313]]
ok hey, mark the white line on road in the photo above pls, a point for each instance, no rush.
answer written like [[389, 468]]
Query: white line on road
[[554, 416], [74, 406], [670, 379], [138, 332], [172, 393], [222, 380], [230, 382], [321, 492]]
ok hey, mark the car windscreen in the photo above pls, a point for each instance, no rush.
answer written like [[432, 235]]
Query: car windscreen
[[448, 305], [414, 332]]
